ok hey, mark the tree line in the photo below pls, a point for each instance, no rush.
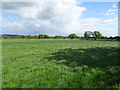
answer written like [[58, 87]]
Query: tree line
[[88, 35]]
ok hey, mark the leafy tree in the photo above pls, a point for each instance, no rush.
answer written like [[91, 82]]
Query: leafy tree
[[41, 36], [28, 37], [5, 37], [72, 36], [34, 37], [46, 36], [78, 37], [117, 38], [97, 34], [86, 35], [57, 37], [64, 37], [89, 34], [51, 37], [111, 37], [23, 37]]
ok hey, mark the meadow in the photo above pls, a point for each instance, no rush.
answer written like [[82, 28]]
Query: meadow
[[34, 63]]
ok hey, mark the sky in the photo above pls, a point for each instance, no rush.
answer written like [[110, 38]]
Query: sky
[[59, 18]]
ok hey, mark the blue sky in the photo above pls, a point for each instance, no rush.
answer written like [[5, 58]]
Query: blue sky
[[60, 18], [9, 16], [95, 8]]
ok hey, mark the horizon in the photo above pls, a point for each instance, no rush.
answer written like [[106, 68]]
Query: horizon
[[59, 18], [52, 35]]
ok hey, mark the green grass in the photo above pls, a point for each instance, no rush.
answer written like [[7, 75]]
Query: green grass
[[60, 64]]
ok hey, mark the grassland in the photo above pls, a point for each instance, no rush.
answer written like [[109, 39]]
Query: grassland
[[60, 64]]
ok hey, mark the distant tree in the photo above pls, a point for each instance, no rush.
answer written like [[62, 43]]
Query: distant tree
[[78, 37], [86, 35], [111, 37], [97, 34], [57, 37], [22, 37], [64, 37], [28, 37], [33, 37], [117, 38], [89, 34], [72, 36], [51, 37], [5, 37], [41, 36], [105, 37], [102, 37], [46, 36]]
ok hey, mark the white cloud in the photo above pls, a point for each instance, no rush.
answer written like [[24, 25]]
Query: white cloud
[[37, 25], [16, 5], [114, 6], [108, 21], [111, 11], [110, 27], [59, 0], [53, 18]]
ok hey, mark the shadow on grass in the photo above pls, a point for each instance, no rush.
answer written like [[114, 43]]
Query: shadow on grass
[[93, 57], [93, 67]]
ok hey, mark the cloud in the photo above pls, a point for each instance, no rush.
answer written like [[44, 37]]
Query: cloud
[[111, 11], [108, 21], [44, 10], [114, 6], [0, 23], [59, 0], [37, 25], [110, 27], [52, 18], [15, 5]]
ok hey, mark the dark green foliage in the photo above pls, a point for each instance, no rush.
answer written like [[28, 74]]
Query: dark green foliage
[[5, 37], [58, 37], [46, 36], [90, 34], [87, 36], [22, 37], [72, 36], [42, 36], [97, 34]]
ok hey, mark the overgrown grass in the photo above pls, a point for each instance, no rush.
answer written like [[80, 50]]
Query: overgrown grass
[[60, 64]]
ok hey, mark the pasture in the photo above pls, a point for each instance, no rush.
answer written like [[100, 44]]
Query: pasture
[[33, 63]]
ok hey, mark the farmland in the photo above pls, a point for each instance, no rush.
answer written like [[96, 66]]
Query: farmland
[[34, 63]]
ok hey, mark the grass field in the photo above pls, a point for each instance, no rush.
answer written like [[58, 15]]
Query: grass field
[[60, 64]]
